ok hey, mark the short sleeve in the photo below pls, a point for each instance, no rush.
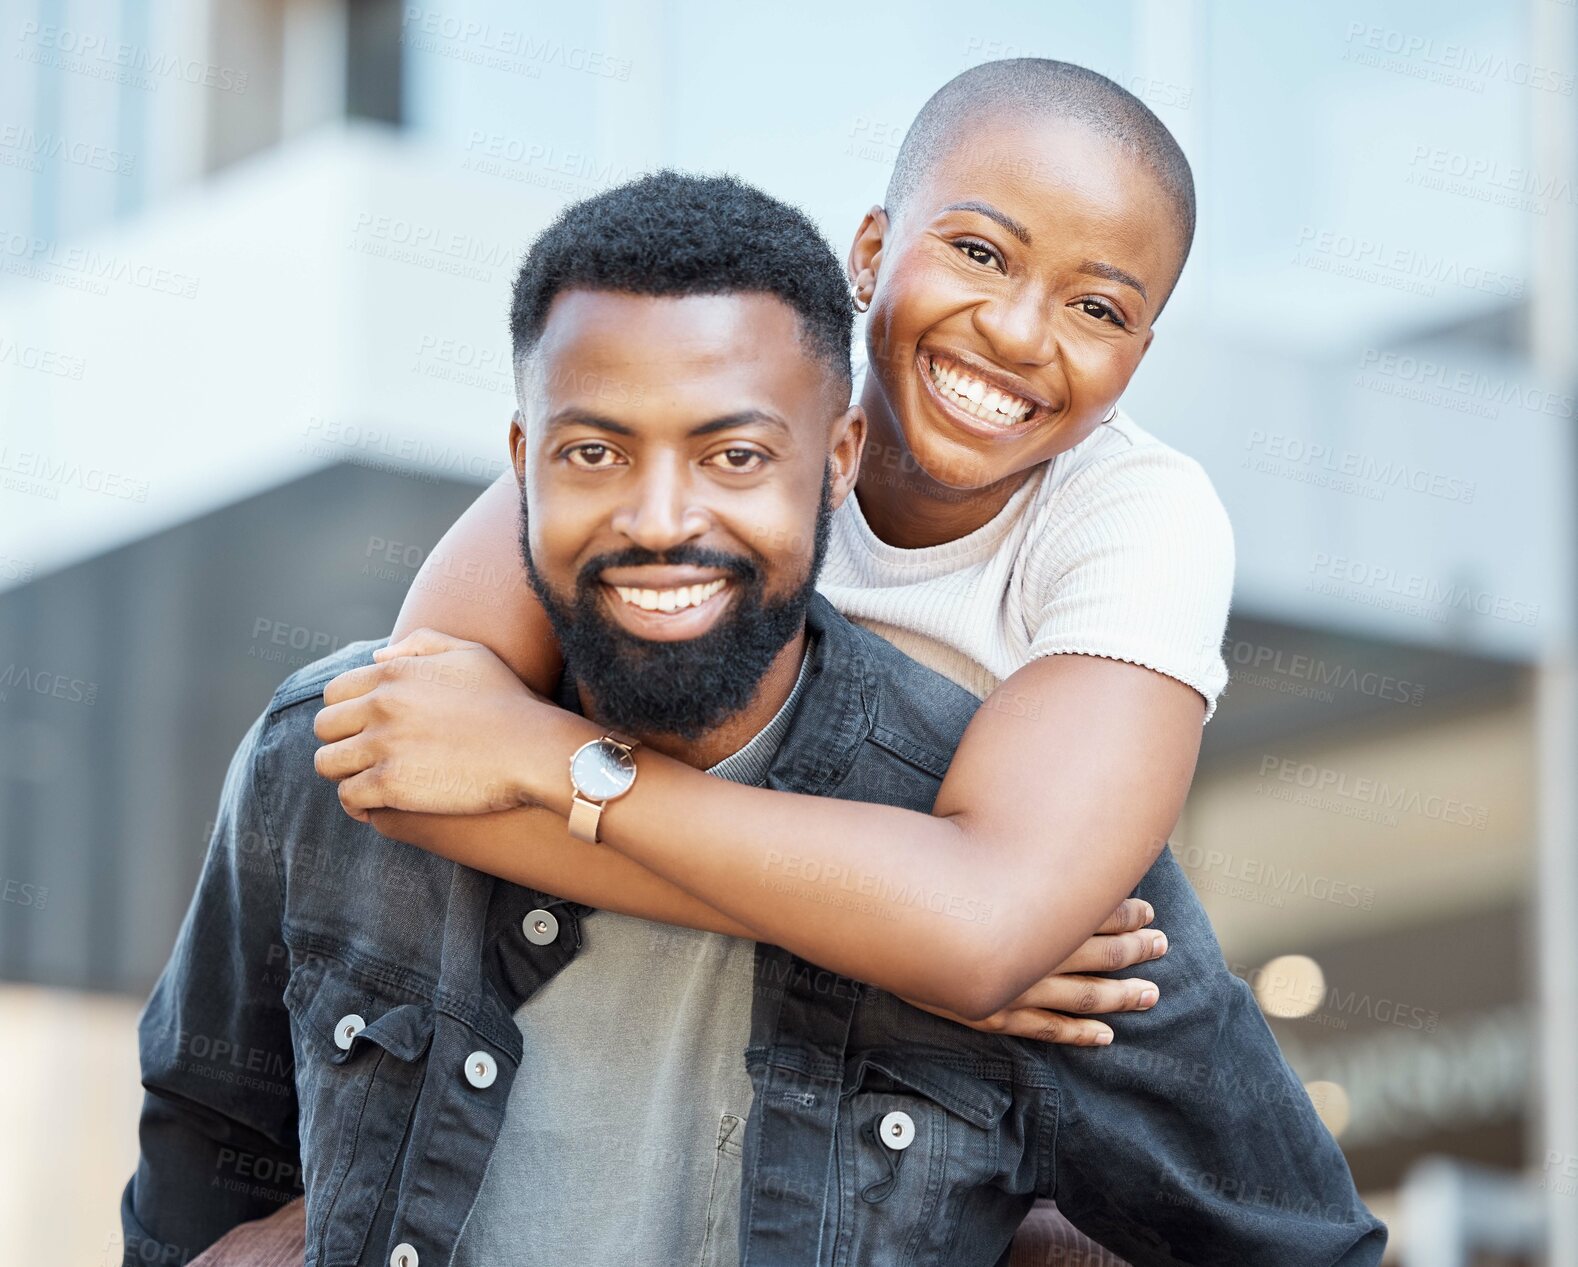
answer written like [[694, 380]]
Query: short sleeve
[[1134, 561]]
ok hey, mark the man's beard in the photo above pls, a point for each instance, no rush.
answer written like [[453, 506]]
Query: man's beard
[[689, 686]]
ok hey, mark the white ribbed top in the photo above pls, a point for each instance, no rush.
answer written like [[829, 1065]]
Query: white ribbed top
[[1118, 547]]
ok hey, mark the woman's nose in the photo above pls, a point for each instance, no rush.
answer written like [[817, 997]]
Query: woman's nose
[[1018, 327]]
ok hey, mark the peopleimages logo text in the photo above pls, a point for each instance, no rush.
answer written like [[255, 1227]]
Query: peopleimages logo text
[[1414, 263], [1423, 589], [1371, 791], [1493, 389]]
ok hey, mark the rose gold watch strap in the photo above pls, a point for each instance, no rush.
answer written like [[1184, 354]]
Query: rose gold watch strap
[[585, 816]]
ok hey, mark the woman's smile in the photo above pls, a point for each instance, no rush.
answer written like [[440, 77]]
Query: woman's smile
[[978, 400]]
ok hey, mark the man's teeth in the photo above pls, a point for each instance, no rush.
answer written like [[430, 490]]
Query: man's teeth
[[979, 399], [670, 600]]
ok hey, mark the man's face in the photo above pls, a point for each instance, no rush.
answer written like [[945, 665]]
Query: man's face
[[1015, 294], [678, 462]]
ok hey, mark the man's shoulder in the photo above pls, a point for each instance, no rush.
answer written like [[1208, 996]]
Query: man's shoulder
[[346, 888], [915, 712], [307, 682], [283, 736]]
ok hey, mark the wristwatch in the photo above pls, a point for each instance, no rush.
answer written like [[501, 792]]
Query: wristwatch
[[600, 771]]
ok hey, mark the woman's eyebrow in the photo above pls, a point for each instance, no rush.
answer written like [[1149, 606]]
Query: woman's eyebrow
[[992, 213], [1113, 273]]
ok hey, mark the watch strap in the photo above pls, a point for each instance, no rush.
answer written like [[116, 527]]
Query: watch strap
[[585, 818]]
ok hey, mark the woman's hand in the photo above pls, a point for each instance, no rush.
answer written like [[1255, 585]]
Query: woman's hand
[[437, 724], [1042, 1012]]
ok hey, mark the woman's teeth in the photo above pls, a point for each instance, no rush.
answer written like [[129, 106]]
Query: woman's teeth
[[671, 600], [977, 398]]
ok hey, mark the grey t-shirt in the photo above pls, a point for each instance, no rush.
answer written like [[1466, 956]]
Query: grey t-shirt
[[621, 1141]]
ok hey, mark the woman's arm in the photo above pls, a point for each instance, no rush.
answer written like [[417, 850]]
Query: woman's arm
[[1059, 1008], [532, 848], [465, 583], [474, 586], [1049, 814], [1052, 809]]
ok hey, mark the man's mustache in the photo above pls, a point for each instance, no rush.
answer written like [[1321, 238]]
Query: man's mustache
[[680, 556]]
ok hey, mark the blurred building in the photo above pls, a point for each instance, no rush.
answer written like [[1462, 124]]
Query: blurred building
[[254, 264]]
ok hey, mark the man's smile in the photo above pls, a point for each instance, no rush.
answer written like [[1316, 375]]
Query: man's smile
[[666, 603], [669, 600]]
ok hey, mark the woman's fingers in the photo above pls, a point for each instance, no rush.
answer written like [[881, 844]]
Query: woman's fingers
[[1131, 915], [1039, 1013], [1088, 996], [1050, 1027], [340, 721], [1114, 953], [1030, 1022], [1062, 1009], [421, 642], [341, 760]]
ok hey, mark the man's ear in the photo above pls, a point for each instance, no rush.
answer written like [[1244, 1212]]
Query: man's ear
[[865, 252], [518, 448], [846, 443]]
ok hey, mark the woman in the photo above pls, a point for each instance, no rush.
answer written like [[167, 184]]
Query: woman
[[1010, 527]]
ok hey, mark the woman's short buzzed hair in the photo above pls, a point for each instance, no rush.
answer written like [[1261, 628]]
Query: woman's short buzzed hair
[[1039, 87]]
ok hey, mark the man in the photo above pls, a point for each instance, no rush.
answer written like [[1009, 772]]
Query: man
[[464, 1092]]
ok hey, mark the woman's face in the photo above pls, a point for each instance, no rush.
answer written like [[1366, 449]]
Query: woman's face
[[1014, 294]]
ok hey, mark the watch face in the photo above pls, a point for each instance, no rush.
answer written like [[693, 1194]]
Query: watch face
[[602, 771]]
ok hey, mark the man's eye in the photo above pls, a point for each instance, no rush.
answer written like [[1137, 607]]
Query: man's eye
[[590, 455], [739, 460], [1104, 311]]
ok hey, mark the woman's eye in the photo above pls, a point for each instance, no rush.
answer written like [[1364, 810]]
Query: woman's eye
[[739, 460], [592, 456], [977, 252], [1104, 311]]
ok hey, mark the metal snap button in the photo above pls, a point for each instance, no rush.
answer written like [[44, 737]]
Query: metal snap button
[[347, 1028], [480, 1069], [404, 1255], [540, 927], [897, 1130]]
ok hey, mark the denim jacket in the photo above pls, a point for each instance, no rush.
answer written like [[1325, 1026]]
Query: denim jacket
[[337, 1016]]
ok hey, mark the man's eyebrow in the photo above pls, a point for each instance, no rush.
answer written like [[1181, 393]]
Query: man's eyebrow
[[573, 417], [1113, 273], [992, 213], [579, 417], [743, 418]]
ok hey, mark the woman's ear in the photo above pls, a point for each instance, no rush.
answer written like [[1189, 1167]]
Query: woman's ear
[[865, 255]]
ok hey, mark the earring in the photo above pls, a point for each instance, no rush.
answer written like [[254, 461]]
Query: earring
[[1111, 414], [861, 305]]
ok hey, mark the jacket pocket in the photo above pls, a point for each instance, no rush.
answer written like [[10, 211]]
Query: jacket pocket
[[360, 1050], [919, 1155]]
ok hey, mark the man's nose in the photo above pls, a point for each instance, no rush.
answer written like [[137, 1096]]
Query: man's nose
[[1019, 327], [661, 510]]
